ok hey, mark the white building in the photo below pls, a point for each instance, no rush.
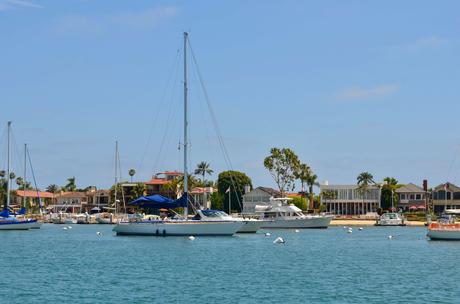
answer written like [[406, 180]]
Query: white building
[[349, 200]]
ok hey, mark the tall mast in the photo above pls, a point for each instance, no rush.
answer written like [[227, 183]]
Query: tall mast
[[185, 126], [24, 180], [116, 175], [8, 169]]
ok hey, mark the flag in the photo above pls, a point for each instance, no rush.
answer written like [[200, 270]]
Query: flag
[[228, 190]]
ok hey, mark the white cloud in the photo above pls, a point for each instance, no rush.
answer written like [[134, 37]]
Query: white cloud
[[24, 3], [6, 5], [140, 20], [358, 93]]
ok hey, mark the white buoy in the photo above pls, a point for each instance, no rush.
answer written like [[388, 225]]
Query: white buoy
[[390, 237], [279, 240], [350, 230], [344, 227], [191, 238], [297, 230], [360, 228], [65, 228], [70, 227], [99, 233], [267, 234]]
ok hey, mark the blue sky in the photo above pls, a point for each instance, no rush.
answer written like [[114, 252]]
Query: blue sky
[[351, 86]]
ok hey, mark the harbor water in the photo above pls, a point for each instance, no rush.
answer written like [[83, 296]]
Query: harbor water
[[79, 265]]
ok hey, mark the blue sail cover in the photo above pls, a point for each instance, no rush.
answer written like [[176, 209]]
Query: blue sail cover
[[5, 213], [158, 201]]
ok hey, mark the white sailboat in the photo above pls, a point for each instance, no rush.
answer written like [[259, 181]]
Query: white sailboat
[[181, 227], [38, 224], [8, 220]]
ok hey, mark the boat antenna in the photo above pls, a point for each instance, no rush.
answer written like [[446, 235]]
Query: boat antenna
[[185, 128], [7, 204]]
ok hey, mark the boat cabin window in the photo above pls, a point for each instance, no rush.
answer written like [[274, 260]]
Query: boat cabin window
[[214, 213]]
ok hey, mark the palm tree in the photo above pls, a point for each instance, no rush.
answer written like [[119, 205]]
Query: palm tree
[[53, 188], [2, 173], [131, 173], [19, 181], [302, 174], [139, 189], [203, 169], [71, 185], [312, 180], [365, 179], [12, 175]]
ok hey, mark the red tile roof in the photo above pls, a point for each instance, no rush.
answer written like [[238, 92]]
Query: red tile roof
[[157, 181], [33, 193]]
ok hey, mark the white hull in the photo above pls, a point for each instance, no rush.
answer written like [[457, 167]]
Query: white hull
[[316, 221], [444, 234], [178, 228], [390, 223], [36, 225], [251, 226], [101, 220], [17, 225]]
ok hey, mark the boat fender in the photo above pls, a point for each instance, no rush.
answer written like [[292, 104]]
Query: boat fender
[[99, 233], [164, 232], [267, 234]]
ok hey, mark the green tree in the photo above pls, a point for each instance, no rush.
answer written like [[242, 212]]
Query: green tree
[[177, 185], [300, 202], [131, 173], [283, 165], [365, 180], [217, 201], [236, 181], [71, 185], [203, 168], [312, 180], [139, 189], [388, 195], [53, 188]]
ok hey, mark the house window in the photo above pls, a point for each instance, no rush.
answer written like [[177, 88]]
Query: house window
[[418, 197], [403, 196], [411, 196]]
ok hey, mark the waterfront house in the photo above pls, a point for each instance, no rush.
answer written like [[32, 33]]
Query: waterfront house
[[349, 199], [157, 184], [258, 196], [446, 196], [73, 202], [97, 199], [34, 198], [411, 197], [200, 197]]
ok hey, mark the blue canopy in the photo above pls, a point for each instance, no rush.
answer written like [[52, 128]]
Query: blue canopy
[[158, 201], [5, 213]]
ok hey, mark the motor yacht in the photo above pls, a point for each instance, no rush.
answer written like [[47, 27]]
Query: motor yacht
[[391, 219], [279, 213]]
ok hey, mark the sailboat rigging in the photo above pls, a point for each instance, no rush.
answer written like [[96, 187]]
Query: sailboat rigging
[[182, 226]]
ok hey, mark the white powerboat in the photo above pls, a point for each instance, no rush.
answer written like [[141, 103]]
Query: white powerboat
[[281, 214], [250, 225], [444, 229], [181, 226], [63, 218], [391, 219]]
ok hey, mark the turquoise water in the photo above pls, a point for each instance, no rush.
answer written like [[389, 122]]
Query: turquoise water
[[53, 265]]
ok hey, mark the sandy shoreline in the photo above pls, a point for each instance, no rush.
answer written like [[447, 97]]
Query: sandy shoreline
[[357, 222]]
